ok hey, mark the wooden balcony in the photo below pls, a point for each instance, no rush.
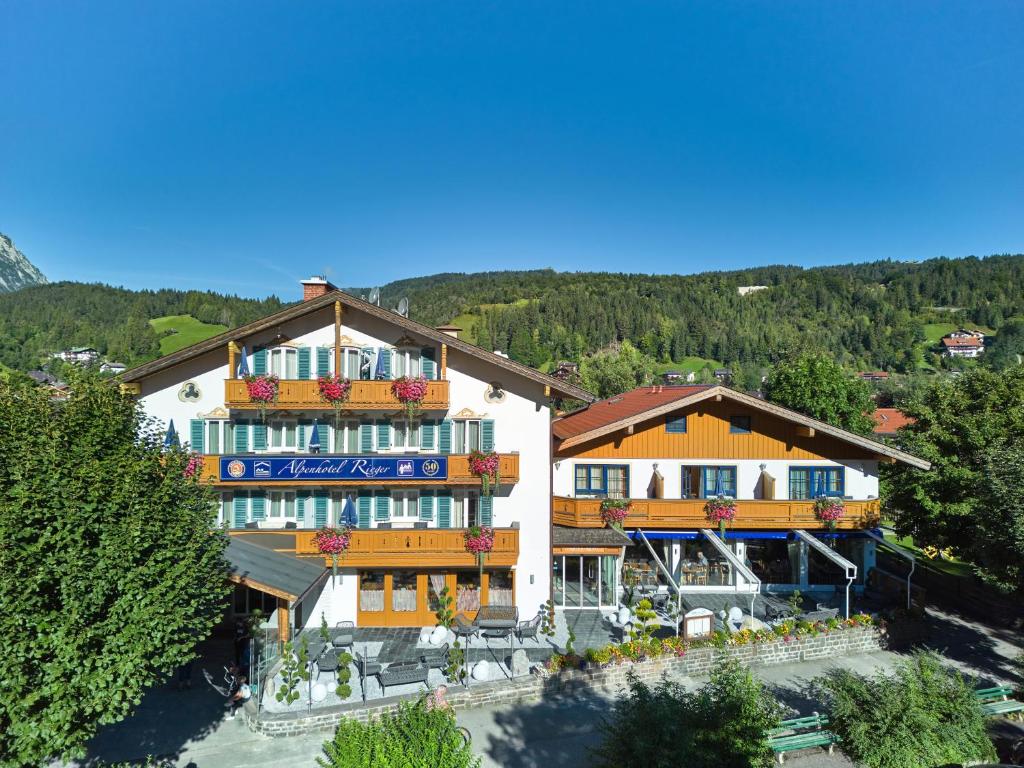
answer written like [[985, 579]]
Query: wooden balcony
[[416, 547], [755, 514], [364, 396], [458, 473]]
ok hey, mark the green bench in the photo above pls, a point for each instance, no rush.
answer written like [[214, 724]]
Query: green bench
[[801, 733], [998, 702]]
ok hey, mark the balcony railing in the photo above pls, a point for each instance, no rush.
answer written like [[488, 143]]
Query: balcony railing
[[364, 396], [458, 471], [415, 547], [689, 513]]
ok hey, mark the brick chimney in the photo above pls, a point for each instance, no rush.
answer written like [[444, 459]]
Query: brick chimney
[[315, 287], [451, 330]]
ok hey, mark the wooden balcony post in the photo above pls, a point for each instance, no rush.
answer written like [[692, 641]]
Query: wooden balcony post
[[444, 362], [232, 352], [282, 619], [337, 338]]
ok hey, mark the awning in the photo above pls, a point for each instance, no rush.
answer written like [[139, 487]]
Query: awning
[[565, 536], [849, 569], [275, 573]]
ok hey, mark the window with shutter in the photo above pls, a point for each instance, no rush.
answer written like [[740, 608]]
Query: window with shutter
[[427, 505], [445, 437], [363, 506], [258, 502], [241, 437], [382, 505], [196, 429], [486, 510], [366, 438], [428, 435], [241, 510], [304, 362], [320, 509], [323, 361], [428, 364], [444, 511], [487, 435], [383, 435]]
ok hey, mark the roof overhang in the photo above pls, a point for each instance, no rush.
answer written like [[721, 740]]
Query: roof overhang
[[720, 392], [327, 300]]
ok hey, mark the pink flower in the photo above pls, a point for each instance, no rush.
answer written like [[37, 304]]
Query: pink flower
[[720, 509], [262, 389], [334, 389], [480, 539], [194, 466], [332, 541], [409, 389]]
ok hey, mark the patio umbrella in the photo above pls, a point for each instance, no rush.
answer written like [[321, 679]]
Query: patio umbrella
[[243, 363], [378, 369], [171, 436], [719, 483], [314, 439], [348, 513], [819, 485]]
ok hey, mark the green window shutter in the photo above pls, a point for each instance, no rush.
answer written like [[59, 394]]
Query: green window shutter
[[259, 362], [320, 509], [427, 363], [428, 430], [385, 364], [487, 435], [321, 431], [303, 362], [382, 505], [241, 437], [241, 510], [486, 510], [323, 361], [301, 508], [197, 432], [300, 434], [259, 505], [366, 438], [363, 506], [426, 505], [444, 437], [444, 510], [259, 437], [383, 435]]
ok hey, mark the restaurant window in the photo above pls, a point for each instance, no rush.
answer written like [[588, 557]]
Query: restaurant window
[[371, 591], [283, 362], [346, 437], [405, 362], [718, 481], [610, 480], [814, 482], [405, 435], [282, 505], [403, 591], [739, 424], [465, 435], [405, 505], [499, 588]]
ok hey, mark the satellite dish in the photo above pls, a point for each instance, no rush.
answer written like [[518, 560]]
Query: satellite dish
[[375, 296], [403, 307]]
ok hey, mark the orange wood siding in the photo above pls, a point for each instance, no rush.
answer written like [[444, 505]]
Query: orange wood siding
[[364, 396], [458, 474], [708, 437], [689, 514], [415, 547]]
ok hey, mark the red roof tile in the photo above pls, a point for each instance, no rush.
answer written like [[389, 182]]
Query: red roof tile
[[888, 420], [971, 342], [628, 404]]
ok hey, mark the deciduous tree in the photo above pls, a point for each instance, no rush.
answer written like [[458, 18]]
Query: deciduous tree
[[816, 385]]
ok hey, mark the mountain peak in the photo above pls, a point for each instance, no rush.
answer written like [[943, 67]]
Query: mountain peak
[[15, 270]]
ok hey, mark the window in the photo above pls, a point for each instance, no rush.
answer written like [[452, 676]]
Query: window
[[281, 435], [351, 362], [813, 482], [611, 480], [405, 505], [283, 362], [281, 505], [718, 481], [220, 437], [465, 435], [405, 435], [405, 362], [675, 425], [739, 424], [464, 510], [346, 437]]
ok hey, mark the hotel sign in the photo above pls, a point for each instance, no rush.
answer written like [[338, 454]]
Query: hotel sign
[[314, 467]]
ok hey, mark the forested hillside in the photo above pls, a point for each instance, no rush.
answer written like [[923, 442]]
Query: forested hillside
[[41, 319], [866, 315]]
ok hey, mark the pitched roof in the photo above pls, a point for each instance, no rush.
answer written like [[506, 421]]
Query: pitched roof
[[327, 300], [261, 566], [960, 341], [889, 420], [608, 416]]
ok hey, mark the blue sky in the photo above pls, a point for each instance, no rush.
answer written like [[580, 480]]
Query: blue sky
[[241, 146]]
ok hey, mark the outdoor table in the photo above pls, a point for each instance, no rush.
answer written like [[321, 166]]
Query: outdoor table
[[498, 621]]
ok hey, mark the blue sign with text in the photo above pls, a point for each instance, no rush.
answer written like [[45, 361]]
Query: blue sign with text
[[316, 467]]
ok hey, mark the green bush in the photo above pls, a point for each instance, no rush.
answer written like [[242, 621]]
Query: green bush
[[412, 737], [721, 725], [920, 715]]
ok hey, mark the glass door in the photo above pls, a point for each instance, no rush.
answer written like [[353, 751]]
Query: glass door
[[573, 582], [589, 586]]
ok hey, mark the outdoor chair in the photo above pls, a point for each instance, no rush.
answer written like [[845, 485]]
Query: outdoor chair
[[316, 649], [328, 662], [436, 658], [367, 667], [344, 634], [659, 601], [462, 627], [529, 628]]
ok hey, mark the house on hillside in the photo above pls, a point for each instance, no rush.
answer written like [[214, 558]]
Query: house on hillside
[[667, 453], [873, 376], [678, 377], [744, 290], [963, 343], [115, 368], [566, 370], [724, 375], [77, 355], [395, 465]]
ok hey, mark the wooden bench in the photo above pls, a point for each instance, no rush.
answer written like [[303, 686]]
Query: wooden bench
[[999, 702], [801, 733]]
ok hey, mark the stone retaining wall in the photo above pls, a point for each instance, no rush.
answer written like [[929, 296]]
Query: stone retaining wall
[[607, 680]]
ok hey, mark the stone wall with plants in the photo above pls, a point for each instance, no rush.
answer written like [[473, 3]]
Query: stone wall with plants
[[575, 674]]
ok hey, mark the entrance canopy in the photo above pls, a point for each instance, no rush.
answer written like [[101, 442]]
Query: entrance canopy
[[273, 572], [849, 569]]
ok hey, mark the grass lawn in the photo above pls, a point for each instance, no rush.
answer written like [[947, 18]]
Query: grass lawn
[[467, 321], [179, 331], [953, 567], [687, 364]]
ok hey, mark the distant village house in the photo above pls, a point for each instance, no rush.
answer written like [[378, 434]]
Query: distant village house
[[963, 343]]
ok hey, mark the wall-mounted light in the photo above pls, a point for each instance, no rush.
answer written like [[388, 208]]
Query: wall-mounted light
[[531, 578]]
